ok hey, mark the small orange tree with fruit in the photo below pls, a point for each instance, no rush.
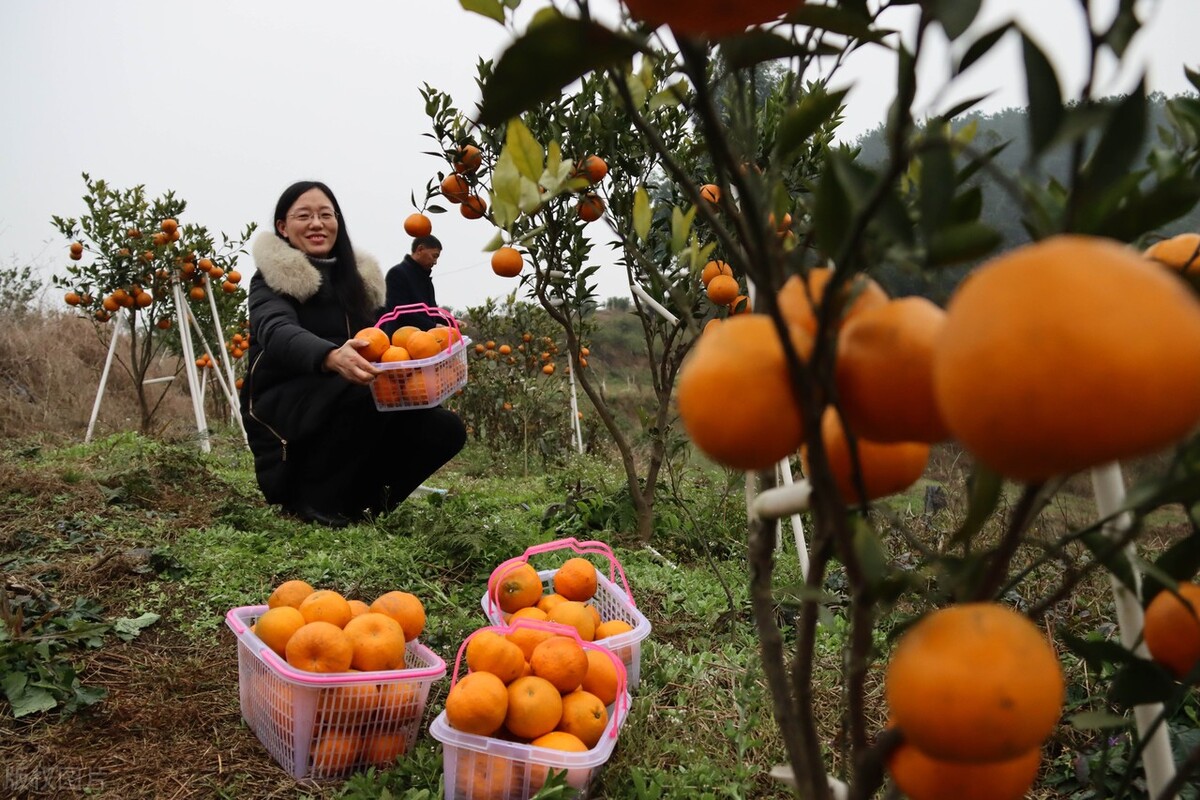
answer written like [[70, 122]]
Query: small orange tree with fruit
[[128, 253], [1063, 356]]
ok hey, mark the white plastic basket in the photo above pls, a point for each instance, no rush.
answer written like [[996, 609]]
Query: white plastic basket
[[486, 768], [424, 382], [326, 725], [612, 600]]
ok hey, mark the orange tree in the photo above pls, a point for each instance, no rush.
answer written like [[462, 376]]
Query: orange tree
[[756, 397], [127, 254]]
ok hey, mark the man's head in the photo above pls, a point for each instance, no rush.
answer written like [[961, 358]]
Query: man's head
[[425, 251]]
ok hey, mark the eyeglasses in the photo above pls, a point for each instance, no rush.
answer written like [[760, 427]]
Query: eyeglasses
[[305, 217]]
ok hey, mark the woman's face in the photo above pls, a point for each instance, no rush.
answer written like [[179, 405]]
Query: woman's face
[[311, 225]]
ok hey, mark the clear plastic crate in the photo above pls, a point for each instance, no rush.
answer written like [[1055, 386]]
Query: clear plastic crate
[[478, 767], [327, 725], [424, 382], [613, 600]]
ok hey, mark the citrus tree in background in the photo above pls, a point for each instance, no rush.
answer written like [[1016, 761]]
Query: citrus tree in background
[[126, 254], [1044, 364]]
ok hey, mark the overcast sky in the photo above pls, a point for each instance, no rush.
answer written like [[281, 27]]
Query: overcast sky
[[226, 102]]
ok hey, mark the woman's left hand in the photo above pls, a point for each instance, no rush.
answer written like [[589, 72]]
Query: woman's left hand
[[346, 361]]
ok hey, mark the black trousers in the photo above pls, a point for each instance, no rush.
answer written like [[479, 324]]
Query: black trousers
[[362, 460]]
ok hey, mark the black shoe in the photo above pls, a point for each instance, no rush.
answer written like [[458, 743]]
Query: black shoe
[[330, 519]]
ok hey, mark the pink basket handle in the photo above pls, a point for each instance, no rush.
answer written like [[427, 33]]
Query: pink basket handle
[[589, 547], [622, 701], [428, 310]]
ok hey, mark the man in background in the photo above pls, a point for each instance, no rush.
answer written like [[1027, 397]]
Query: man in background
[[411, 281]]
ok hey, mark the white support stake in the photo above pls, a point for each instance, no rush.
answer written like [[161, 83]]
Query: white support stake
[[654, 304], [189, 365], [112, 350], [1109, 488], [575, 409], [785, 473], [231, 379], [226, 388]]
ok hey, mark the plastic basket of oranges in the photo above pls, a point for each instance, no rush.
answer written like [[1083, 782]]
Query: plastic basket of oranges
[[324, 725], [509, 722], [618, 625], [429, 366]]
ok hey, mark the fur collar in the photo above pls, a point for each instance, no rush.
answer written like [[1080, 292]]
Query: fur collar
[[288, 271]]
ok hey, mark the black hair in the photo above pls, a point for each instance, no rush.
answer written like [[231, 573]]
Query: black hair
[[347, 283], [430, 241]]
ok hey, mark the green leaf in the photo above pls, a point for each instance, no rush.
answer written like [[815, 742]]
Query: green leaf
[[1112, 557], [1097, 652], [967, 206], [531, 196], [800, 123], [671, 96], [681, 226], [1045, 96], [642, 213], [831, 209], [980, 47], [1166, 202], [872, 556], [1124, 27], [937, 178], [526, 151], [1180, 562], [984, 493], [837, 20], [495, 243], [1193, 77], [128, 628], [546, 58], [1119, 144], [26, 699], [955, 15], [506, 190], [965, 241], [1140, 682], [757, 46], [492, 9], [1096, 721]]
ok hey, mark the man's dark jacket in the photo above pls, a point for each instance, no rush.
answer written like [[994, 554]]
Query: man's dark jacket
[[409, 282]]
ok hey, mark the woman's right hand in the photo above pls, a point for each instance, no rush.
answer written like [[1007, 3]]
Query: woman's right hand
[[346, 361]]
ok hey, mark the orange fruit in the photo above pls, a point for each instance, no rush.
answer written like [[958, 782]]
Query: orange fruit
[[1172, 630], [336, 751], [394, 354], [418, 225], [576, 579], [740, 305], [401, 334], [528, 638], [601, 678], [169, 226], [377, 343], [560, 740], [72, 298], [534, 707], [404, 607], [591, 207], [594, 167], [920, 777], [467, 159], [488, 651], [326, 605], [1180, 253], [548, 369], [884, 372], [481, 777], [399, 702], [549, 601], [422, 344], [455, 188], [357, 608], [710, 192], [735, 393], [713, 18], [277, 626], [594, 613], [350, 704], [473, 206], [561, 661], [517, 587], [723, 290], [1066, 354], [853, 298], [319, 647], [289, 593], [584, 715], [576, 615], [382, 749], [887, 468], [441, 336], [507, 262], [612, 627], [974, 682], [414, 390], [477, 704], [378, 642]]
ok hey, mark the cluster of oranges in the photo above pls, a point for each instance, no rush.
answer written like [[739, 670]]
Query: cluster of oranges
[[1122, 379], [529, 684], [319, 630], [975, 689], [407, 343], [723, 289], [527, 349]]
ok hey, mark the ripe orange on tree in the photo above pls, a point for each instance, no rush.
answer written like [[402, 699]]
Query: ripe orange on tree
[[326, 605], [507, 262], [277, 626], [735, 394], [418, 225], [591, 207], [72, 298], [378, 642], [197, 293], [576, 579], [1180, 253], [534, 707], [548, 369], [518, 586], [800, 297], [594, 167], [467, 159], [404, 607], [740, 305], [455, 188], [473, 207], [377, 342], [560, 660], [289, 593], [76, 251], [1172, 630], [1123, 375], [887, 467], [477, 704], [713, 18], [710, 192], [320, 647], [585, 716], [974, 682], [921, 777], [723, 290], [169, 226]]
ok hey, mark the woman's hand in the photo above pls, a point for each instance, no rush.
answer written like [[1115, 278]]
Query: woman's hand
[[346, 361]]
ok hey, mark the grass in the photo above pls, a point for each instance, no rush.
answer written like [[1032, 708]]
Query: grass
[[143, 526]]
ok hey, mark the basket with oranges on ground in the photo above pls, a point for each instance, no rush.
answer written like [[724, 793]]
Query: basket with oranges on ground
[[330, 685], [574, 593], [421, 368], [536, 698]]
